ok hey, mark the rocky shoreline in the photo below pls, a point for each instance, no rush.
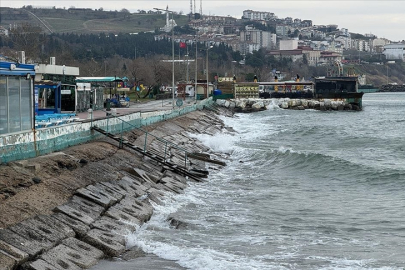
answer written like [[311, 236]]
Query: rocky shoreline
[[69, 209], [257, 104]]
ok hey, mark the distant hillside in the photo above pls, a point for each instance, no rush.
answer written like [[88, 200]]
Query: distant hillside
[[85, 21]]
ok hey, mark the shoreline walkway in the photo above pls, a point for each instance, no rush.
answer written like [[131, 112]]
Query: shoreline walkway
[[148, 106]]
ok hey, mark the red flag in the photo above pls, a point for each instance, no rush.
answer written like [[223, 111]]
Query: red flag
[[183, 45]]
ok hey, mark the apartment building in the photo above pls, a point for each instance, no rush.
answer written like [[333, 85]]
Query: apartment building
[[258, 15], [394, 51], [288, 44], [263, 38]]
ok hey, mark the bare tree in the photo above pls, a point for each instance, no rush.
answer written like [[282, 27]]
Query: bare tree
[[28, 38]]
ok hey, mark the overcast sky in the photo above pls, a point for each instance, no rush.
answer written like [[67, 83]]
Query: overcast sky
[[386, 19]]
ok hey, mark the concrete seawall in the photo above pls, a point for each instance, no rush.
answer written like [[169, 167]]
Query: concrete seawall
[[33, 143], [102, 192]]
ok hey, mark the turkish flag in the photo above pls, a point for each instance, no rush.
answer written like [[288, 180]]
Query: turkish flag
[[183, 45]]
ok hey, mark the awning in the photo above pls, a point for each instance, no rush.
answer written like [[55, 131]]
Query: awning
[[98, 79]]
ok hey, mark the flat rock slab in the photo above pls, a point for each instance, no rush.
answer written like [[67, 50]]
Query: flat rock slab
[[48, 228], [142, 174], [51, 222], [106, 190], [41, 265], [111, 244], [93, 194], [86, 206], [74, 213], [173, 184], [108, 224], [68, 258], [83, 248], [132, 187], [122, 216], [7, 262], [27, 243], [114, 186], [141, 210], [19, 255], [78, 227]]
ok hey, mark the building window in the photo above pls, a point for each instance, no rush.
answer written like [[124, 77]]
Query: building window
[[15, 104]]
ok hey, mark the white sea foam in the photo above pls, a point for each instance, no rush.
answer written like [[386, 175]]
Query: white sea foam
[[202, 258], [221, 143]]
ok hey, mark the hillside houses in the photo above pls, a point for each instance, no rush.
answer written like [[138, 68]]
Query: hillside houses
[[285, 37]]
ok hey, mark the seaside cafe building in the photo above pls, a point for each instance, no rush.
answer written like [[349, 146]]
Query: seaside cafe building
[[17, 97]]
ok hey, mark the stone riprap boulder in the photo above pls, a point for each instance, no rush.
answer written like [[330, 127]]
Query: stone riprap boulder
[[254, 105]]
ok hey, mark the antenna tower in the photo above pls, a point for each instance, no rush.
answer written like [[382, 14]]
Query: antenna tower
[[191, 7]]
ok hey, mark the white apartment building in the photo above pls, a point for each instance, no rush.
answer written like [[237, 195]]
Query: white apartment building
[[362, 45], [288, 44], [394, 51], [258, 15], [282, 30], [346, 41]]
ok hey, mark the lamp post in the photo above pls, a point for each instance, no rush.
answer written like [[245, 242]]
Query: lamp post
[[195, 81], [172, 26], [387, 74], [209, 47]]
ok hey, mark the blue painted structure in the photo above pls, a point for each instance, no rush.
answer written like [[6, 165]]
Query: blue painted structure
[[43, 141], [16, 69], [56, 87]]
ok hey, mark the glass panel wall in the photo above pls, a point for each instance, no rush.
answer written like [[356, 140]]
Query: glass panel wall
[[3, 105], [14, 101], [26, 104], [16, 104]]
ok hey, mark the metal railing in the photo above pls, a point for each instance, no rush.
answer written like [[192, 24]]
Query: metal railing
[[172, 152]]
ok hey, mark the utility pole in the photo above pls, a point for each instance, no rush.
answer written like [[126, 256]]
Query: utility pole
[[172, 27]]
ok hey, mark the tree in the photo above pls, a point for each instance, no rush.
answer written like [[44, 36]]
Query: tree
[[28, 38]]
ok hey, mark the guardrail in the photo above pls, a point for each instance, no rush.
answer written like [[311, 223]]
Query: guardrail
[[172, 152]]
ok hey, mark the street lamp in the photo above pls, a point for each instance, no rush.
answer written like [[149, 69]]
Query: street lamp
[[209, 47], [172, 26], [195, 81]]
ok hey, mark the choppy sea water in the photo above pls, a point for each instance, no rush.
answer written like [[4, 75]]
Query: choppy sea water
[[301, 190]]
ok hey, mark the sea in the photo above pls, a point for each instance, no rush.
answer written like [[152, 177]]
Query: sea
[[301, 190]]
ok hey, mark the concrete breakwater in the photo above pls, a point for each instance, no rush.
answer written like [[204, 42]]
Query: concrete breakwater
[[77, 206], [253, 104]]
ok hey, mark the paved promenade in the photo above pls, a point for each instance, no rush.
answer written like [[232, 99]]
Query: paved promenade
[[148, 106]]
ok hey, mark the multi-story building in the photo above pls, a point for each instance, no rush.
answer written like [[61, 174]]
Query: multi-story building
[[258, 15], [361, 45], [263, 39], [378, 44], [346, 41], [394, 51], [288, 44], [282, 30], [311, 55]]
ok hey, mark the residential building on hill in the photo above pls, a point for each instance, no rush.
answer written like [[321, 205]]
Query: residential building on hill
[[258, 15], [288, 44], [394, 51]]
